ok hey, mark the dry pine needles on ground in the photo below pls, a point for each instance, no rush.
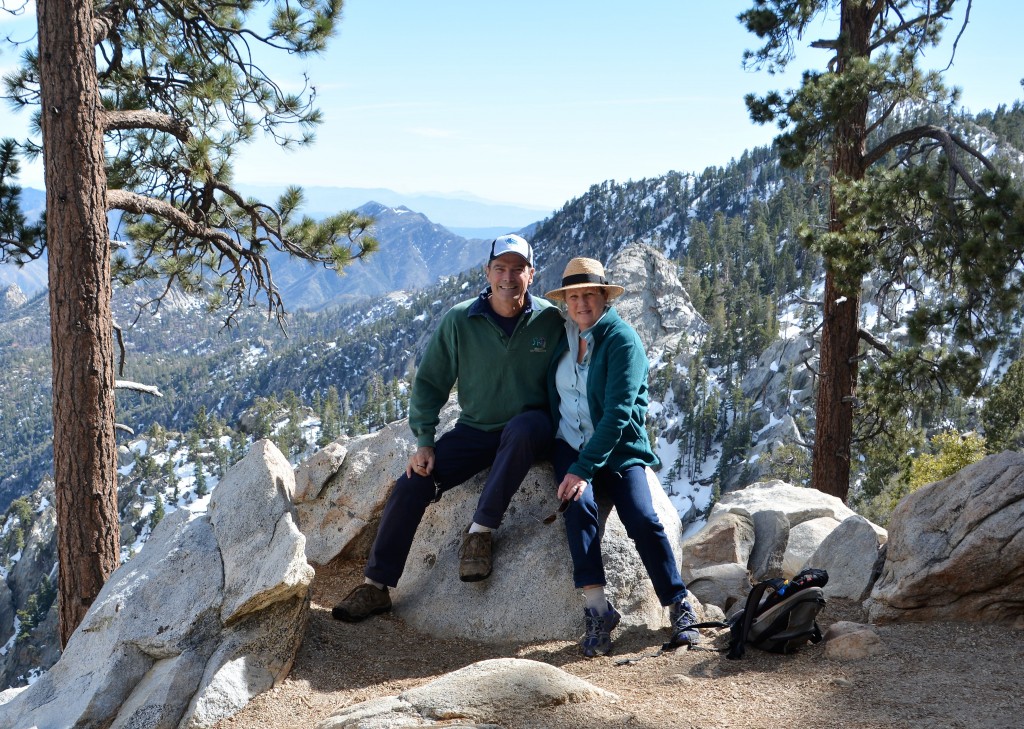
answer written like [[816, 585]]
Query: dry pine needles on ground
[[928, 675]]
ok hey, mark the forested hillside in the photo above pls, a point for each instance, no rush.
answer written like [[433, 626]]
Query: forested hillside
[[731, 230], [732, 233]]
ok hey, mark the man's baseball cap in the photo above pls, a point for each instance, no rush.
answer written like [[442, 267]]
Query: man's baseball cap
[[511, 243]]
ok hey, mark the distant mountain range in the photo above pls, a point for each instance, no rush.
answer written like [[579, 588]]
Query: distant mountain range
[[414, 253], [462, 213], [464, 218]]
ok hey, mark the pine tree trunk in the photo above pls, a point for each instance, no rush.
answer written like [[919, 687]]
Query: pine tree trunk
[[837, 386], [84, 449]]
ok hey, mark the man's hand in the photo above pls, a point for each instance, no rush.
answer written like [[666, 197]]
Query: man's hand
[[421, 462], [572, 487]]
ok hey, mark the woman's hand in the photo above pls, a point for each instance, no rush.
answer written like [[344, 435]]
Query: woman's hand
[[572, 487], [421, 462]]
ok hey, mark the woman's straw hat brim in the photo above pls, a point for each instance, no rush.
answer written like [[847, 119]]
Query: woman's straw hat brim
[[582, 273]]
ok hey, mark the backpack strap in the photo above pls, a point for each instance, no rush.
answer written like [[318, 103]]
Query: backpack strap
[[740, 630]]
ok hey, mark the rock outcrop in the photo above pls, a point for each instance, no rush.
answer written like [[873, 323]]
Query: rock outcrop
[[530, 595], [11, 298], [773, 529], [655, 302], [779, 386], [956, 549], [208, 615]]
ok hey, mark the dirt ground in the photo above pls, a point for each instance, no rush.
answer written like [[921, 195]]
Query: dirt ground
[[929, 675]]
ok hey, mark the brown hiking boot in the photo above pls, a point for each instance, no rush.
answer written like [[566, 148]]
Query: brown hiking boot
[[362, 602], [475, 557]]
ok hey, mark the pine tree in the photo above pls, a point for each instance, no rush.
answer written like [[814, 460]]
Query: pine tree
[[20, 241], [201, 487], [193, 444], [1003, 412], [908, 197], [330, 416], [202, 423], [145, 105], [157, 514]]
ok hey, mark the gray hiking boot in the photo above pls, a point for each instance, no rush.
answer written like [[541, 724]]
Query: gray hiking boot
[[682, 616], [361, 603], [475, 557], [597, 640]]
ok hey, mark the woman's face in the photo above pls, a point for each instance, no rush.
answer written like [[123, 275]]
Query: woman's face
[[585, 305]]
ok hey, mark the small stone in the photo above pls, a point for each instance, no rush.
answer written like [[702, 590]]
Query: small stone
[[678, 678]]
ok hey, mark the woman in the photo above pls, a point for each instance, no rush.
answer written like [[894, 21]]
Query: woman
[[598, 389]]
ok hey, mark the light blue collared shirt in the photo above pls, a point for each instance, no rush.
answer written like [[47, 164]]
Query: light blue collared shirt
[[575, 425]]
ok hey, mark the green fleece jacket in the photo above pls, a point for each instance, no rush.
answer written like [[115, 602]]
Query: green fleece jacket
[[498, 376], [617, 396]]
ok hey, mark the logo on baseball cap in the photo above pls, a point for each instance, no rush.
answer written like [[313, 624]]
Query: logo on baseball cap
[[511, 243]]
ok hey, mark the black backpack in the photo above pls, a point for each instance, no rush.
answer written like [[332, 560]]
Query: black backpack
[[780, 615], [781, 621]]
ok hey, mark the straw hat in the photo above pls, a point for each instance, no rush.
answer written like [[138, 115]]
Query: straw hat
[[583, 273]]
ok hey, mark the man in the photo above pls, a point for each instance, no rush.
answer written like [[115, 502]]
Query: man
[[497, 347]]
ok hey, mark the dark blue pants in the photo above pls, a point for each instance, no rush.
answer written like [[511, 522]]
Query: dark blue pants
[[630, 493], [459, 454]]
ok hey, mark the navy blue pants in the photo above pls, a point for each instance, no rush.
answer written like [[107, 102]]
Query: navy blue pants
[[459, 454], [630, 493]]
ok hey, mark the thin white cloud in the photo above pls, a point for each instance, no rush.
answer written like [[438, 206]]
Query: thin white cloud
[[430, 133]]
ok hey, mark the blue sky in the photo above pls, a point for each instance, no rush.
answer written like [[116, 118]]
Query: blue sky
[[532, 102]]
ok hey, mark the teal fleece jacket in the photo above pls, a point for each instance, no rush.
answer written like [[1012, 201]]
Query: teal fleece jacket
[[617, 396], [498, 376]]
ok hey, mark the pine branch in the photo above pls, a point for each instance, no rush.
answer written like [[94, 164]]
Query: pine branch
[[146, 119], [138, 387], [951, 144], [924, 19], [810, 302], [868, 337], [132, 202]]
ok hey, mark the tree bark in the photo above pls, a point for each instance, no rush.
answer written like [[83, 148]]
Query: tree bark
[[81, 326], [837, 386]]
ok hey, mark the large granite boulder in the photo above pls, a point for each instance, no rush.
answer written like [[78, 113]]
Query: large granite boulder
[[804, 540], [726, 538], [799, 504], [207, 615], [849, 554], [811, 516], [529, 596], [343, 488], [480, 694], [771, 537], [956, 549], [773, 529]]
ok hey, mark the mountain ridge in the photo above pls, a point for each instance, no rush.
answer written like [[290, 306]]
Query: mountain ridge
[[461, 214], [732, 405]]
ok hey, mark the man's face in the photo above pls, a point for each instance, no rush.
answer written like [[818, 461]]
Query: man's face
[[509, 276]]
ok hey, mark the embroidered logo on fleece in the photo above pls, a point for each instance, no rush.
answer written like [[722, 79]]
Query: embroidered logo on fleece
[[539, 344]]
